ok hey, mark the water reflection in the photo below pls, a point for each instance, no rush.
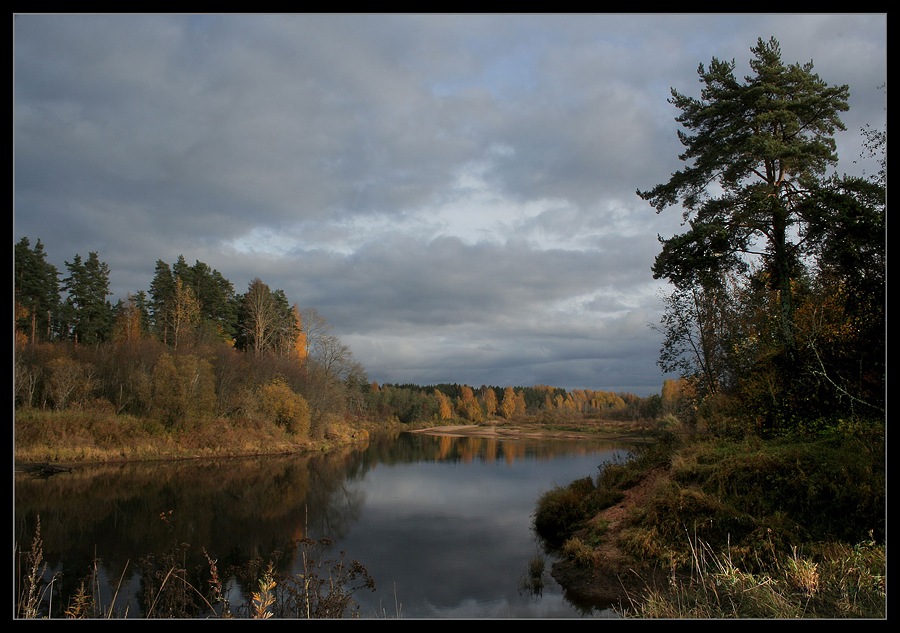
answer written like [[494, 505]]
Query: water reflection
[[442, 524]]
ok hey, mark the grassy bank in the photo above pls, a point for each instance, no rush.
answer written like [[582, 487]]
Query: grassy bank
[[67, 437], [712, 527]]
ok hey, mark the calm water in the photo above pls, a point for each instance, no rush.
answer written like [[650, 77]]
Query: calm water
[[443, 525]]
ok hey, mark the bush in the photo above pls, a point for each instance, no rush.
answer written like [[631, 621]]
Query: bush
[[284, 407], [560, 511], [183, 390]]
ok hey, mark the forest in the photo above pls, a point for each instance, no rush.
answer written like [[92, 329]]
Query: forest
[[190, 352]]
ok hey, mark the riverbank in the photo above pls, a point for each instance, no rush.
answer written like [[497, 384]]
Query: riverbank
[[762, 543], [503, 429], [618, 580], [704, 526], [67, 438]]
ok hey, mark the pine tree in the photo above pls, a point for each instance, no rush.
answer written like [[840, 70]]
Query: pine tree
[[162, 299], [36, 290], [88, 288], [766, 143]]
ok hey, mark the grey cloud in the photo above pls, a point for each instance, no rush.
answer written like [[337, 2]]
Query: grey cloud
[[455, 193]]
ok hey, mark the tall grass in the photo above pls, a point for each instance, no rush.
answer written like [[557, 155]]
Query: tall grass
[[323, 589], [850, 583]]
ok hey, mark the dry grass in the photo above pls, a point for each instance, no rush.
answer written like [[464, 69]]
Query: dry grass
[[791, 587], [324, 589]]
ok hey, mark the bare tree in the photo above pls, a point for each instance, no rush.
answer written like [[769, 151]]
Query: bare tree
[[261, 316]]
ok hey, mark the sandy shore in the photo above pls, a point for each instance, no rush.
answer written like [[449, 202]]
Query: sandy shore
[[518, 431]]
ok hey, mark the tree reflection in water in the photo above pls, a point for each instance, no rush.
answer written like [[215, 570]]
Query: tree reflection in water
[[254, 509]]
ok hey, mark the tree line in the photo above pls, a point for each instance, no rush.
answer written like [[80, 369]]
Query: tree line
[[777, 313], [183, 301], [191, 351], [408, 403]]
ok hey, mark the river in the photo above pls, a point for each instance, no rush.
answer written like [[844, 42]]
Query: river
[[443, 525]]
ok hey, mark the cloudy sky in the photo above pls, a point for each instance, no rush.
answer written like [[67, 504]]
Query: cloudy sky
[[454, 194]]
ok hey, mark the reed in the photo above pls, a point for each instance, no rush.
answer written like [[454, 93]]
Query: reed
[[32, 586], [533, 580], [324, 589], [264, 600]]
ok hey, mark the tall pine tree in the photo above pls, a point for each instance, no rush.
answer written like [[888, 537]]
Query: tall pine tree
[[88, 290], [36, 290]]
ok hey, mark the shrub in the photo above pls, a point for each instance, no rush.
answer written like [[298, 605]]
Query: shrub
[[561, 510], [284, 407], [183, 390]]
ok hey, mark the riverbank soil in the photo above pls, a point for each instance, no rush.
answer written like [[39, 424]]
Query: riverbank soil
[[616, 580], [625, 431]]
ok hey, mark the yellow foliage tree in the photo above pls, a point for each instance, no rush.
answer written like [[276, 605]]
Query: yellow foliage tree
[[301, 346], [520, 402], [183, 390], [508, 404], [283, 406], [445, 411], [490, 402], [468, 406], [185, 311], [127, 327]]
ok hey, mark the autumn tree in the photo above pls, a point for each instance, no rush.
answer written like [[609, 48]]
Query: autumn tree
[[336, 381], [281, 405], [28, 375], [184, 312], [270, 324], [508, 404], [260, 316], [69, 381], [131, 319], [468, 406], [490, 401], [299, 346], [521, 406], [315, 327], [445, 406], [183, 390], [217, 302]]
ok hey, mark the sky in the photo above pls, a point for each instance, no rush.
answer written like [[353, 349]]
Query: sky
[[454, 193]]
